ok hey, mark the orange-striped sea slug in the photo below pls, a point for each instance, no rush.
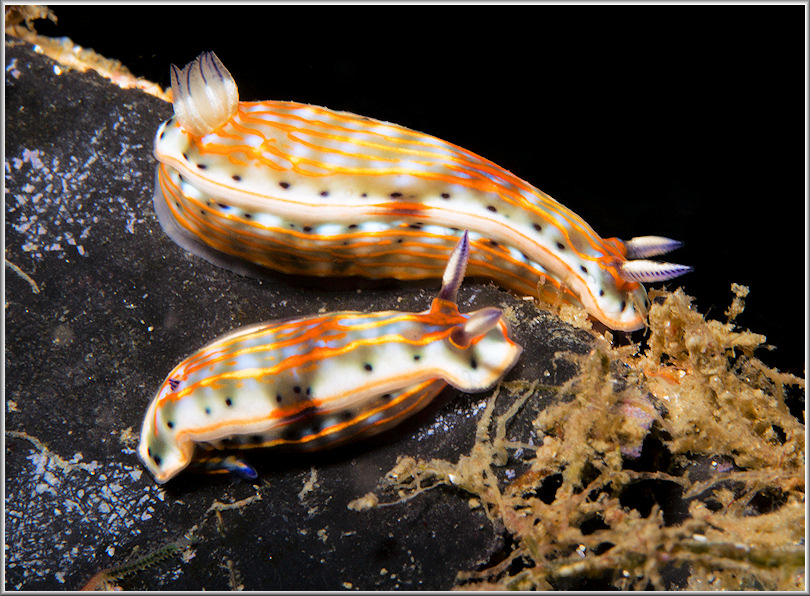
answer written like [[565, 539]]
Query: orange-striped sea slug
[[308, 190], [315, 382]]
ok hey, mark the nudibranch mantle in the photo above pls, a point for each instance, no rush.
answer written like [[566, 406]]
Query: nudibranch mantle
[[315, 382], [308, 190]]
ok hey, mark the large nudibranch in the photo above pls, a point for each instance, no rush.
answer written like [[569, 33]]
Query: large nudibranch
[[308, 190], [318, 381]]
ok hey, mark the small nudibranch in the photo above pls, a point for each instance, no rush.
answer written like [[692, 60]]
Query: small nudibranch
[[307, 190], [315, 382]]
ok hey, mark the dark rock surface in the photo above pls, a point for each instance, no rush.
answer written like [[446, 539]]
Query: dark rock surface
[[110, 304]]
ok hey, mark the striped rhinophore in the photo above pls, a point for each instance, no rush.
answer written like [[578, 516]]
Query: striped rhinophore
[[315, 382], [307, 190]]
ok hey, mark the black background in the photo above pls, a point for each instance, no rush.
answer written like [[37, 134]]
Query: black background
[[682, 121]]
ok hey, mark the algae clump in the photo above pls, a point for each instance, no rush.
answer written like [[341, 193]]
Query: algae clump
[[672, 465]]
